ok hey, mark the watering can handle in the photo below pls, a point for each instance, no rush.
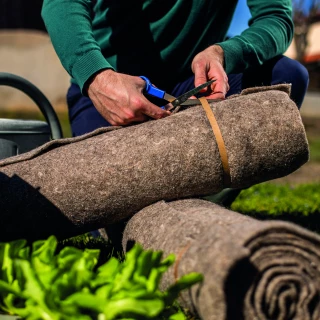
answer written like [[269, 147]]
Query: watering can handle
[[11, 80]]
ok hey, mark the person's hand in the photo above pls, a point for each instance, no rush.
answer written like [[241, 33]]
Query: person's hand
[[208, 65], [119, 98]]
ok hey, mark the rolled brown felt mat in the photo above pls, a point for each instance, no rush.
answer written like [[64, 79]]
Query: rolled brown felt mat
[[71, 186], [252, 269]]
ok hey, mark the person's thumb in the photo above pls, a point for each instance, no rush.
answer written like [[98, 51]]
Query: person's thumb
[[200, 75]]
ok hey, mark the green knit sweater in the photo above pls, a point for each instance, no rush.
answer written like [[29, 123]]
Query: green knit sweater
[[159, 38]]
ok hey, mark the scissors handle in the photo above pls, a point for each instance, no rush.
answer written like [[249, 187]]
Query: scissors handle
[[152, 90]]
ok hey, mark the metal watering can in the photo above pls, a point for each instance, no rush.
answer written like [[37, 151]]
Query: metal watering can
[[19, 136]]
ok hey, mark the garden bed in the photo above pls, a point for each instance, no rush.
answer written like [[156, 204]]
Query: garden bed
[[294, 198]]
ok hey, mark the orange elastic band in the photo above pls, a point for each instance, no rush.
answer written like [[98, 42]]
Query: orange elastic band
[[220, 142]]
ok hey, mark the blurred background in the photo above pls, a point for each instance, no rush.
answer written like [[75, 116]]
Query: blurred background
[[305, 46], [26, 50]]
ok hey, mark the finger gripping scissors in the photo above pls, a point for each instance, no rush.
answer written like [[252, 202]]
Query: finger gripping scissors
[[175, 102]]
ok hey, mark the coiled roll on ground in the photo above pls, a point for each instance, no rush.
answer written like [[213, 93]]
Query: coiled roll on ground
[[252, 269]]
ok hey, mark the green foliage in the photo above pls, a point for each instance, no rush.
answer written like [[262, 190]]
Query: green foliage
[[299, 204], [272, 199], [87, 241], [38, 283]]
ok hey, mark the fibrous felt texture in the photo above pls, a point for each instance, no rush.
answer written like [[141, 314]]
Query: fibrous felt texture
[[72, 186], [252, 269]]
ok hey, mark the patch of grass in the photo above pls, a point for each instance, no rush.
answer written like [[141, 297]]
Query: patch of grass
[[272, 199], [299, 204]]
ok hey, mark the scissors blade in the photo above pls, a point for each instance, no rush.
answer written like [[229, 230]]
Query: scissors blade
[[169, 97], [181, 99], [196, 102]]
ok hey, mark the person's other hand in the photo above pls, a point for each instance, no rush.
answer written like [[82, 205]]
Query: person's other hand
[[208, 65], [119, 98]]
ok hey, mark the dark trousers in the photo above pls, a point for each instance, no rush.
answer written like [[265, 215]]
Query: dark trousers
[[85, 118]]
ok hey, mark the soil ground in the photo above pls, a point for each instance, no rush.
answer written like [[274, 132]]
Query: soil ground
[[308, 173]]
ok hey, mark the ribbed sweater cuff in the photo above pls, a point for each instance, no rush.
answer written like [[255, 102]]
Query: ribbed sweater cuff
[[233, 55], [89, 64]]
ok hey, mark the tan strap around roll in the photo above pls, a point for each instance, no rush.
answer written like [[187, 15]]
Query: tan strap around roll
[[219, 139]]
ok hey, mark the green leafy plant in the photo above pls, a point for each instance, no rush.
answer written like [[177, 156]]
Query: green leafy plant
[[38, 283]]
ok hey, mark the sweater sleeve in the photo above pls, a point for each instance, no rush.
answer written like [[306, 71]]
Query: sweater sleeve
[[69, 25], [269, 34]]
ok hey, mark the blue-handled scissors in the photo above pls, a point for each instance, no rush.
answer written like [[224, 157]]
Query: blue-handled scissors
[[175, 102]]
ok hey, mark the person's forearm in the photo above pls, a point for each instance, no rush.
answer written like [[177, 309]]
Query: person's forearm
[[69, 26], [269, 35]]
